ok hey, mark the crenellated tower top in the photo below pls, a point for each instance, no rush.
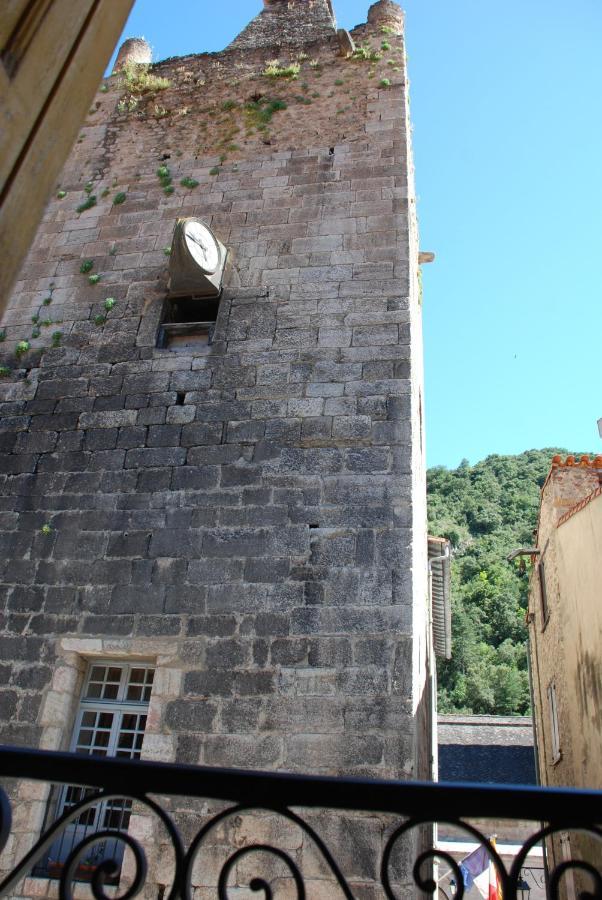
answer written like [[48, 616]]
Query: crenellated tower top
[[288, 23]]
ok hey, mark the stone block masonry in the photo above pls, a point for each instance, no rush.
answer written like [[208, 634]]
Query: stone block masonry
[[249, 515]]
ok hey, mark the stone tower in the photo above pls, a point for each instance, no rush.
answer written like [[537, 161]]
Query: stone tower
[[227, 490]]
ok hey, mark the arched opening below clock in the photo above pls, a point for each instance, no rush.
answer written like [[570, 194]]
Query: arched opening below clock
[[188, 324]]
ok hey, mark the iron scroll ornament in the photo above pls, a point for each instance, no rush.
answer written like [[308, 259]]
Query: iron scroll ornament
[[574, 811]]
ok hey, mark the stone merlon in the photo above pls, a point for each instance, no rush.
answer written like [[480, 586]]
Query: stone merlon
[[288, 23]]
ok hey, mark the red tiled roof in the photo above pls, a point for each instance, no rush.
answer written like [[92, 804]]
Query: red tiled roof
[[584, 461]]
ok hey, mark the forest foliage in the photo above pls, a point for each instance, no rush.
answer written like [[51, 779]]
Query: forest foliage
[[487, 510]]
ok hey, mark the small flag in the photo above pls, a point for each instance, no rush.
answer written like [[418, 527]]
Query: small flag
[[473, 866], [478, 869]]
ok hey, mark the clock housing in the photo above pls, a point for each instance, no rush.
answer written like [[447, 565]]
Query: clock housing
[[197, 260]]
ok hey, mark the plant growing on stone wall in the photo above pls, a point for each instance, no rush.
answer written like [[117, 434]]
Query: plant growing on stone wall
[[189, 182], [3, 335], [103, 88], [273, 69], [86, 266], [228, 105], [89, 188], [87, 204], [56, 338], [100, 319], [386, 29], [109, 303], [35, 319], [22, 347], [4, 371], [94, 279], [104, 193], [167, 251], [164, 176], [160, 112], [213, 171], [138, 79], [127, 104], [46, 322], [47, 301], [385, 45], [384, 83], [35, 333], [119, 198], [61, 195], [46, 529]]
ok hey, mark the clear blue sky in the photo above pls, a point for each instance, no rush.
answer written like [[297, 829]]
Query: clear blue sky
[[508, 151]]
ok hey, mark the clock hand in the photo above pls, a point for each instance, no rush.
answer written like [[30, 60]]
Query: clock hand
[[200, 244]]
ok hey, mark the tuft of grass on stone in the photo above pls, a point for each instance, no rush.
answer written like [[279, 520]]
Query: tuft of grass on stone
[[273, 69], [56, 338], [61, 195], [94, 279], [214, 170], [228, 105], [22, 347], [168, 189], [119, 198], [35, 333], [86, 266], [103, 88], [109, 303], [384, 83], [3, 335], [189, 182], [46, 529], [385, 45], [100, 319], [87, 204], [136, 77], [46, 301], [167, 251], [4, 371]]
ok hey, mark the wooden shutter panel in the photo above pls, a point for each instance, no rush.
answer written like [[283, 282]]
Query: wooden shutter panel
[[52, 57]]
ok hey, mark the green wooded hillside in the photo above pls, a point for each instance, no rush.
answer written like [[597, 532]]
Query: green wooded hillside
[[487, 510]]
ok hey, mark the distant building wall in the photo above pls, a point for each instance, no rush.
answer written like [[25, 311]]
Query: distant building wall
[[565, 634]]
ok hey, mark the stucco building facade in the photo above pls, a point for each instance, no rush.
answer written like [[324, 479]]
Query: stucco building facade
[[213, 508], [565, 639]]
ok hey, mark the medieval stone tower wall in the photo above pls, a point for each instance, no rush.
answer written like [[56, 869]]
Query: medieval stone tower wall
[[248, 516]]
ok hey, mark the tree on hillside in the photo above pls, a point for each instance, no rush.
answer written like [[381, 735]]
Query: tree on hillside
[[487, 510]]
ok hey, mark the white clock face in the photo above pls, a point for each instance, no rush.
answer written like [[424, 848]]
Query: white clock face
[[202, 246]]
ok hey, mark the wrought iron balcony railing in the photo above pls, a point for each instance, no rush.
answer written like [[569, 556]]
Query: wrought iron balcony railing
[[125, 785]]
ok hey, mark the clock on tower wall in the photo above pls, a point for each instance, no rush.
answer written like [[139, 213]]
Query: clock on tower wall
[[197, 260]]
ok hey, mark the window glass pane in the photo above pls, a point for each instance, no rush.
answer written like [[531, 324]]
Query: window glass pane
[[94, 690], [137, 676], [98, 673], [110, 692], [134, 692]]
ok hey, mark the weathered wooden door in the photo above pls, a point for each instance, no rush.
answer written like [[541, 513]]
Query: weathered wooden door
[[52, 56]]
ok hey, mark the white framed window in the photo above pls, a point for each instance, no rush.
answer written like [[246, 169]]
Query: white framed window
[[554, 730], [110, 721]]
